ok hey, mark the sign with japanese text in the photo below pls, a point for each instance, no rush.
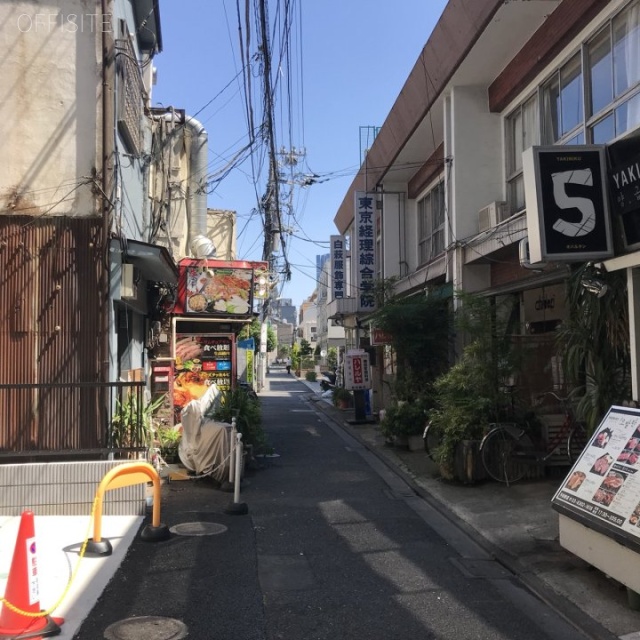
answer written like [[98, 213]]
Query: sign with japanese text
[[602, 489], [568, 216], [624, 182], [338, 267], [357, 373], [378, 336], [200, 361], [364, 250]]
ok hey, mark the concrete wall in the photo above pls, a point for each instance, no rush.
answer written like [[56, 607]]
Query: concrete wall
[[50, 71], [64, 488], [477, 170]]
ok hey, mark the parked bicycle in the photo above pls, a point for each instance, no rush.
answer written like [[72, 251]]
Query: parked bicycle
[[509, 450], [432, 437]]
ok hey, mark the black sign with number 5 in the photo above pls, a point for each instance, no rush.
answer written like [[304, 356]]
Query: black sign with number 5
[[567, 206]]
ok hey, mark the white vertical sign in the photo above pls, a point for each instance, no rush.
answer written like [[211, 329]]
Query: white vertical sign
[[364, 250], [357, 373], [338, 264]]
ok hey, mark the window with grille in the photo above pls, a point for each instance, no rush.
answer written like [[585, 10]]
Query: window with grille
[[431, 218], [130, 96]]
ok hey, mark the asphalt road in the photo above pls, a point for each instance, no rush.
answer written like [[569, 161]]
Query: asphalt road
[[335, 545]]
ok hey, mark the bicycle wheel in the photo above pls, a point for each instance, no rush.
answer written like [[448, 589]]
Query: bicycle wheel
[[499, 451], [432, 439], [576, 442]]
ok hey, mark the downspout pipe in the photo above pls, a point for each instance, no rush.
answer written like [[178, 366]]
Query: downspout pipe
[[198, 161], [108, 150], [198, 146]]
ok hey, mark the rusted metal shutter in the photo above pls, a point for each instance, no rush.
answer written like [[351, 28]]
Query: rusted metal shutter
[[50, 334]]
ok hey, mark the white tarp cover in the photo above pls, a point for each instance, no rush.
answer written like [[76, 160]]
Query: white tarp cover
[[204, 446]]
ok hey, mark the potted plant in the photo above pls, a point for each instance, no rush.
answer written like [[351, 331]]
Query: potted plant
[[132, 422], [168, 439], [245, 408], [404, 423], [342, 398]]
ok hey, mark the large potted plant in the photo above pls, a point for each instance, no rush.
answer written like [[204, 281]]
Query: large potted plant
[[132, 422], [462, 413], [238, 403], [404, 423], [341, 398]]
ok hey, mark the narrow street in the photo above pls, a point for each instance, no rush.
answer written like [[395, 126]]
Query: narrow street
[[335, 545]]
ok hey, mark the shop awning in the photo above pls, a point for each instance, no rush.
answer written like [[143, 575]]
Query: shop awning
[[155, 262]]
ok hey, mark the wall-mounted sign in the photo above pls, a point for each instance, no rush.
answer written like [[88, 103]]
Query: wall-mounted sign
[[364, 250], [220, 289], [568, 215], [545, 303], [338, 267], [624, 186], [357, 373], [378, 336], [602, 490]]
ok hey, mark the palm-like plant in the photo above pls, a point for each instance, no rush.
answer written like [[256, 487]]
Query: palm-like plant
[[594, 341]]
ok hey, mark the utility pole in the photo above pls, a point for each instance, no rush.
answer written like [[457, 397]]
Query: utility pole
[[271, 199]]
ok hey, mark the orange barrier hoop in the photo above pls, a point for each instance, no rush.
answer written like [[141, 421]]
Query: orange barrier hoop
[[125, 475]]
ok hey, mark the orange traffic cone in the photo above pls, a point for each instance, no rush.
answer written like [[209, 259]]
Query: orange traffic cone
[[22, 594]]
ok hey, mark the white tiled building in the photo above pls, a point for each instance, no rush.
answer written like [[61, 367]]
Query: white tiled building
[[493, 79]]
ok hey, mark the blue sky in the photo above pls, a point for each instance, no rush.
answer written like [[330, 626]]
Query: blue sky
[[349, 60]]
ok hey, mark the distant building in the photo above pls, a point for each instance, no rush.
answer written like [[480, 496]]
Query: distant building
[[330, 333], [285, 333], [284, 310], [308, 321], [320, 262]]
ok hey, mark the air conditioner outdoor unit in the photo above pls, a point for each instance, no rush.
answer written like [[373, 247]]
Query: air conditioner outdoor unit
[[491, 215], [129, 281]]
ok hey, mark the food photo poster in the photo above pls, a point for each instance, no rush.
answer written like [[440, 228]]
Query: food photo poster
[[604, 483]]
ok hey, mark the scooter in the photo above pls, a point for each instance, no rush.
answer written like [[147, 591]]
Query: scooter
[[328, 380]]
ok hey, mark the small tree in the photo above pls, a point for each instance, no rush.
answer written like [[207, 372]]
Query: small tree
[[284, 351], [305, 348], [332, 357], [253, 330], [295, 356]]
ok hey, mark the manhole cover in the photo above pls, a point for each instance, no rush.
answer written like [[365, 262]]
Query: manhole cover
[[147, 628], [198, 529]]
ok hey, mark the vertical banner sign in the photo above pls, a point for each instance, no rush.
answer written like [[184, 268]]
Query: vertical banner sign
[[357, 372], [337, 267], [568, 215], [263, 337], [250, 366], [364, 250]]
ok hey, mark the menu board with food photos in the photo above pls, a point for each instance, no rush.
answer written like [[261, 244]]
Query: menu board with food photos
[[603, 487], [218, 291], [200, 361]]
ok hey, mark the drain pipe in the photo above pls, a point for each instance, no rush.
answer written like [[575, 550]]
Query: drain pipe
[[108, 148], [198, 160], [198, 149]]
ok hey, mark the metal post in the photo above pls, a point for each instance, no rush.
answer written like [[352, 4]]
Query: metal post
[[236, 484], [232, 449], [237, 508]]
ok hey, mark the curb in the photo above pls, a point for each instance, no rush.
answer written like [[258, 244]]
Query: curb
[[570, 612]]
